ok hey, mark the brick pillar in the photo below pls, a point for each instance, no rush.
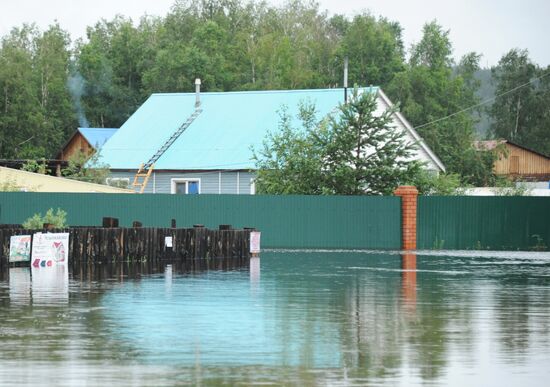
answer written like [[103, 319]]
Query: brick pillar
[[408, 195]]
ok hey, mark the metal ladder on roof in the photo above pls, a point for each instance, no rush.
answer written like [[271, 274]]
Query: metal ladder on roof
[[146, 169]]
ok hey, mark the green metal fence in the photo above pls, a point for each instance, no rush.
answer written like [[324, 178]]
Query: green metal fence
[[285, 221], [503, 223], [499, 223]]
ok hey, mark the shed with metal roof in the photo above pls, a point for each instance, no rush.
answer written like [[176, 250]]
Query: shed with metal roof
[[85, 140]]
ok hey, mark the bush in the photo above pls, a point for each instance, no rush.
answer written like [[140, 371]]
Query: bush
[[35, 166], [59, 220], [428, 183]]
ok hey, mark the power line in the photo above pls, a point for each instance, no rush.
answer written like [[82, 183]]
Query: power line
[[484, 102]]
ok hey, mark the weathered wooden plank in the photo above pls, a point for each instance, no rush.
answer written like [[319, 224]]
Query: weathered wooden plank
[[96, 244]]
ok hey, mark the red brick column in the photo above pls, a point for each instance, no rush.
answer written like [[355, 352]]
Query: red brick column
[[408, 195]]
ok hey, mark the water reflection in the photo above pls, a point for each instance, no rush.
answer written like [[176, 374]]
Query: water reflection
[[20, 285], [168, 278], [313, 318], [408, 281], [255, 273], [38, 285], [50, 284]]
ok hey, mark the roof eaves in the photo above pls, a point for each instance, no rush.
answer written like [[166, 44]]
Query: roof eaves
[[527, 149], [413, 132]]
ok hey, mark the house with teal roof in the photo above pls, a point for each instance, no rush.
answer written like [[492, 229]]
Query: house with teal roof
[[202, 144]]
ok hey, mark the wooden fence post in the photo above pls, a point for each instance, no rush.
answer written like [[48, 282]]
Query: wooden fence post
[[109, 222]]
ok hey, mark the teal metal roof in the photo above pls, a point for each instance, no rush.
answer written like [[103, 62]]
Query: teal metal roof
[[97, 136], [221, 137]]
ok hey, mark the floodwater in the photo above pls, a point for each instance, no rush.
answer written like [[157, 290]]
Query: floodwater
[[290, 318]]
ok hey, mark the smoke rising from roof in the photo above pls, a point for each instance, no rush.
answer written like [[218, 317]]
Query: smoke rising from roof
[[76, 84]]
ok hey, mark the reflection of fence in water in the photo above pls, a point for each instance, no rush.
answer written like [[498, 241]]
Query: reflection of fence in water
[[121, 271], [49, 286]]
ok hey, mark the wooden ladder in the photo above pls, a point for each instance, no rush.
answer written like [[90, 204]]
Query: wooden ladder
[[144, 173]]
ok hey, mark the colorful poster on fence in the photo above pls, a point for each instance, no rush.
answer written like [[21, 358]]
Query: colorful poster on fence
[[20, 248], [50, 249]]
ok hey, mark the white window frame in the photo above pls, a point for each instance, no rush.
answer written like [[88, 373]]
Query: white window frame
[[175, 181], [252, 186]]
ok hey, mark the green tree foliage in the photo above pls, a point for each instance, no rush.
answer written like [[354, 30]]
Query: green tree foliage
[[374, 48], [522, 116], [86, 168], [354, 152], [36, 110], [431, 89], [109, 68], [36, 222], [36, 166], [428, 183]]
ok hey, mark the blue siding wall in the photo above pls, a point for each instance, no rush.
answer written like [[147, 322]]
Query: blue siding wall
[[231, 182]]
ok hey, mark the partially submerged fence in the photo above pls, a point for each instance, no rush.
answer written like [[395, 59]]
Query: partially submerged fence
[[107, 245], [473, 222], [506, 223], [285, 221]]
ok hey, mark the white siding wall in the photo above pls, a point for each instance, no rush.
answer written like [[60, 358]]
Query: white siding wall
[[161, 182]]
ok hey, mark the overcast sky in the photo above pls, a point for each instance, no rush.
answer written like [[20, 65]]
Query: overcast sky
[[490, 27]]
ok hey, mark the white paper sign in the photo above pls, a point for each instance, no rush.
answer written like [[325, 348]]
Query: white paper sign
[[168, 241], [20, 248], [50, 249], [255, 242]]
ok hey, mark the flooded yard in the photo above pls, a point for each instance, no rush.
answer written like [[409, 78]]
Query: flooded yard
[[291, 317]]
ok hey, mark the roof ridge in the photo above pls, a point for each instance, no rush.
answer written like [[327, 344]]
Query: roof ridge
[[81, 128], [325, 90]]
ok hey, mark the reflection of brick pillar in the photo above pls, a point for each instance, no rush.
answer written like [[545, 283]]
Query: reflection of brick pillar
[[408, 280], [408, 195]]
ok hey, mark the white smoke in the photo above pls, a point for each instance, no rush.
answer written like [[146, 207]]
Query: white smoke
[[76, 84]]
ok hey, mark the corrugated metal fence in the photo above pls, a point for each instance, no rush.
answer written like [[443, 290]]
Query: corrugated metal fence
[[285, 221], [502, 223], [470, 222]]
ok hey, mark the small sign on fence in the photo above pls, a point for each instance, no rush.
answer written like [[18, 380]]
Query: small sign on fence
[[168, 241], [50, 249], [20, 248], [255, 242]]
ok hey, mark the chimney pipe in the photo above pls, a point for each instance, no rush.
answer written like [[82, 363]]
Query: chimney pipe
[[346, 79], [197, 93]]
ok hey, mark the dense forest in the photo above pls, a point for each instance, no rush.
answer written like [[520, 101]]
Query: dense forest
[[50, 84]]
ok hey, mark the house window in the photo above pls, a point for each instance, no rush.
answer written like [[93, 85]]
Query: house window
[[186, 186]]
